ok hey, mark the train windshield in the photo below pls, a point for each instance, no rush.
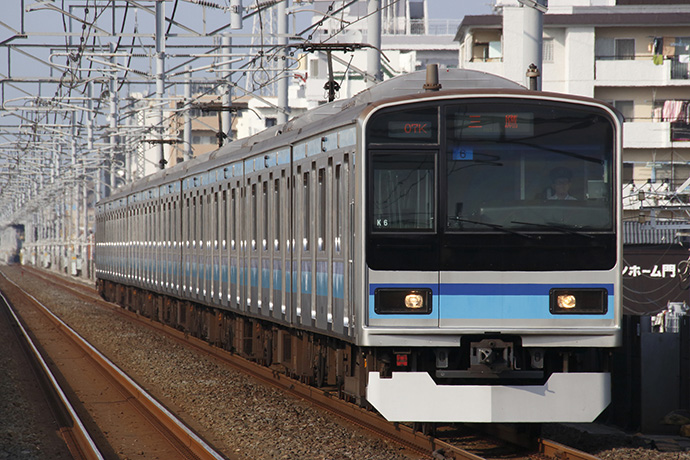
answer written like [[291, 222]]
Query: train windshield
[[491, 184], [528, 168]]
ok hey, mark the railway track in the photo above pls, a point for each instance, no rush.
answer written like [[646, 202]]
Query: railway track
[[326, 399], [71, 428], [111, 415]]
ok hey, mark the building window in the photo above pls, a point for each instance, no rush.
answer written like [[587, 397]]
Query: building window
[[608, 49], [547, 50], [625, 108], [625, 49], [271, 122], [203, 139], [314, 68], [628, 170]]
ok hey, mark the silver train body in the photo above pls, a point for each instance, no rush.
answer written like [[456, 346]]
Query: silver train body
[[422, 225]]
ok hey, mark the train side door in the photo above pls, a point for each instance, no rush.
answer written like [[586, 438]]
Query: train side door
[[236, 244], [281, 211], [224, 244], [253, 245], [340, 244], [303, 242]]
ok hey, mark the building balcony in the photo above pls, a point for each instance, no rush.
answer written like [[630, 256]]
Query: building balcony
[[640, 72], [651, 134]]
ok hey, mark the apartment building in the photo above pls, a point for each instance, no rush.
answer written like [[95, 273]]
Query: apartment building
[[631, 53]]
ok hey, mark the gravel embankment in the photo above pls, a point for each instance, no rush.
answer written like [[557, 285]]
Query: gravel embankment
[[248, 420], [243, 419]]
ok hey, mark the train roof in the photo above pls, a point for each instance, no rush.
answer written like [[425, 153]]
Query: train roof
[[337, 113]]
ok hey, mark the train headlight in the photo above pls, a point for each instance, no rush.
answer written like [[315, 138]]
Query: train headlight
[[414, 300], [566, 301], [405, 301], [586, 301]]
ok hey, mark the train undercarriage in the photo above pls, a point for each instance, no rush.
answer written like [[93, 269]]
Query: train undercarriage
[[323, 361]]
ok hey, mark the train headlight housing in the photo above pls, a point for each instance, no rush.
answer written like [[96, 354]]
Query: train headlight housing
[[578, 301], [402, 301]]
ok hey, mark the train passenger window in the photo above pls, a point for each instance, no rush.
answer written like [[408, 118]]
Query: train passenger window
[[402, 191]]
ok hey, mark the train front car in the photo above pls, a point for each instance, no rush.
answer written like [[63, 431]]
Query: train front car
[[492, 250]]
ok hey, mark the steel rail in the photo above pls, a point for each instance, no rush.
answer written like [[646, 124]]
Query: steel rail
[[184, 436], [75, 434], [559, 451], [324, 399]]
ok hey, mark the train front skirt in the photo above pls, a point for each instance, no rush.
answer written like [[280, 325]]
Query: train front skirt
[[415, 397]]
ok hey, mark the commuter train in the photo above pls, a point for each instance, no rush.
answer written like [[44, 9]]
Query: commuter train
[[445, 255]]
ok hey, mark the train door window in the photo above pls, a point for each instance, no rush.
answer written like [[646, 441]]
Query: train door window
[[254, 218], [174, 220], [306, 223], [337, 208], [224, 223], [185, 223], [277, 214], [212, 212], [201, 222], [264, 207], [216, 224], [321, 237], [192, 223], [233, 234]]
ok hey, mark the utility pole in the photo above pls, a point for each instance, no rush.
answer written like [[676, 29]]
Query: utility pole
[[112, 90], [160, 77], [374, 39], [226, 88], [187, 139], [282, 89]]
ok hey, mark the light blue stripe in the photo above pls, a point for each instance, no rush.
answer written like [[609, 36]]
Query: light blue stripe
[[506, 307], [492, 301]]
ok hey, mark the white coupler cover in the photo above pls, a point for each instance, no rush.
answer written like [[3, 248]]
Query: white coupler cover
[[415, 397]]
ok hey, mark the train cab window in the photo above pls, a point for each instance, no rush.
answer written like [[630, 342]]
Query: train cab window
[[402, 191], [528, 168]]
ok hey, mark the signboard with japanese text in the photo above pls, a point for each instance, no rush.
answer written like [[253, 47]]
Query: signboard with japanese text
[[653, 277]]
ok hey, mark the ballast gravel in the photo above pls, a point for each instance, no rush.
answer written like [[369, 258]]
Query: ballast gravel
[[242, 418]]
